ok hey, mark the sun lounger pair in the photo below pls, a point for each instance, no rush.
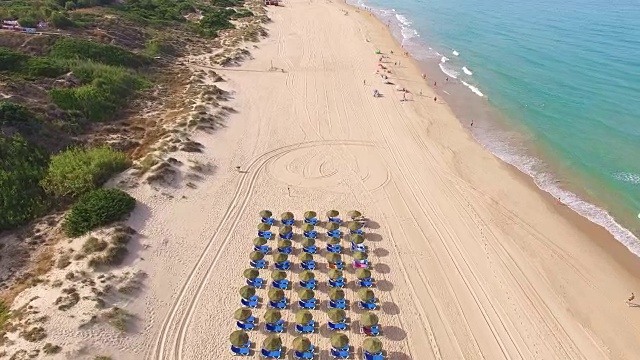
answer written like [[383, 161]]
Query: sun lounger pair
[[286, 250], [257, 282], [337, 326], [252, 302], [304, 355], [312, 221], [287, 236], [308, 265], [277, 327], [358, 247], [368, 282], [339, 282], [370, 330], [265, 234], [241, 350], [310, 234], [280, 284], [289, 222], [276, 354], [339, 265], [263, 249], [367, 305], [278, 304], [309, 284], [369, 356], [335, 220], [310, 249], [334, 233], [285, 265], [269, 221], [306, 329], [308, 304], [343, 353], [334, 248], [260, 264], [360, 264], [359, 231], [338, 304]]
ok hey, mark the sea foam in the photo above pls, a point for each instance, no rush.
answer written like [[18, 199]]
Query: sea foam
[[466, 70], [474, 89], [448, 71], [455, 53]]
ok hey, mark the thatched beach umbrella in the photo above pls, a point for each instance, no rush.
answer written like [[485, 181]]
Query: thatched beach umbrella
[[333, 258], [353, 226], [285, 230], [357, 238], [301, 344], [360, 255], [280, 257], [304, 256], [306, 242], [334, 274], [242, 314], [333, 213], [336, 294], [306, 294], [363, 273], [336, 315], [272, 315], [354, 214], [272, 343], [283, 243], [372, 345], [259, 241], [256, 256], [264, 227], [275, 294], [333, 241], [303, 317], [239, 338], [332, 226], [307, 227], [366, 294], [310, 214], [247, 291], [250, 273], [368, 319], [286, 215], [306, 275], [278, 275], [339, 340], [265, 214]]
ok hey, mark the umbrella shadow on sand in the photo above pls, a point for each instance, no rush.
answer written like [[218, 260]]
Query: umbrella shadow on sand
[[394, 333], [373, 237], [384, 285], [382, 268], [372, 224], [390, 308], [395, 355], [380, 252]]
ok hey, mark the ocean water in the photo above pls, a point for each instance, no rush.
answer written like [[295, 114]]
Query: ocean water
[[565, 75]]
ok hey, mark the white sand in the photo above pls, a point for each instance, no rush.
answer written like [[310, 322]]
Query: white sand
[[472, 261]]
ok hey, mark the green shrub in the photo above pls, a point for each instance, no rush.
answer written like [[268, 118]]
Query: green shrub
[[71, 48], [74, 172], [11, 60], [97, 208], [5, 314], [60, 21], [21, 169], [215, 20], [44, 67]]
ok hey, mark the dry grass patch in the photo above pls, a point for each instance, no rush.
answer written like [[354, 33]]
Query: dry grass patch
[[49, 349], [34, 334], [118, 318], [93, 245]]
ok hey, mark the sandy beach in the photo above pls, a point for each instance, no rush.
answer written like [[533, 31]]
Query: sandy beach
[[471, 260]]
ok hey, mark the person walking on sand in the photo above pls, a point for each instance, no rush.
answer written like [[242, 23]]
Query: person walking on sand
[[435, 99], [471, 122], [630, 299]]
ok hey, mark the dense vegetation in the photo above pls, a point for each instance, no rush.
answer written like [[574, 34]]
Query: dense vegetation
[[96, 208]]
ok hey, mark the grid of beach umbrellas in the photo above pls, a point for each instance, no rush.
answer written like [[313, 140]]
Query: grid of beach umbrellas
[[281, 278]]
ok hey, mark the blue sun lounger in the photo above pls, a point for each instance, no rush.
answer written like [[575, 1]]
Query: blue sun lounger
[[251, 302], [242, 350], [265, 234], [260, 264], [278, 304], [287, 236], [334, 248], [371, 330], [308, 304], [335, 220], [269, 221], [285, 265], [334, 233], [280, 284], [359, 231], [312, 221], [263, 249], [306, 329], [340, 353], [369, 356], [367, 305], [310, 249], [308, 265], [276, 327], [304, 355], [276, 354], [257, 282], [338, 304], [337, 326], [309, 284], [339, 265], [358, 247], [289, 222]]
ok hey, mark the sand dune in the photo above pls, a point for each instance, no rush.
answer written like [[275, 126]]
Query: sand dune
[[471, 261]]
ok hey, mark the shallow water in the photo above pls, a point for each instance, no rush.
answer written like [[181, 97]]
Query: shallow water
[[564, 75]]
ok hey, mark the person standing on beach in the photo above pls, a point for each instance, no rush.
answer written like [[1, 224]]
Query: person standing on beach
[[435, 99], [630, 299], [471, 122]]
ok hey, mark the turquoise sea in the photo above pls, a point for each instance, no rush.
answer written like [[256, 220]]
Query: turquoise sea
[[562, 75]]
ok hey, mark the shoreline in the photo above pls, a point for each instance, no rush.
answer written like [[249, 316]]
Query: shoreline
[[572, 197]]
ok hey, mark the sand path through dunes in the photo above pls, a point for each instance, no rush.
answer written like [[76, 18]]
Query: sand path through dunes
[[471, 261]]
